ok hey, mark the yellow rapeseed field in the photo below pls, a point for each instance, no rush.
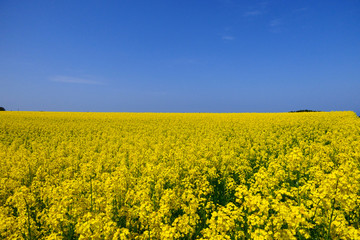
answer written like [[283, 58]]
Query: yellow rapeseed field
[[179, 175]]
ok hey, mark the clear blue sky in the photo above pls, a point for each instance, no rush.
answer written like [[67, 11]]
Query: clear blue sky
[[180, 55]]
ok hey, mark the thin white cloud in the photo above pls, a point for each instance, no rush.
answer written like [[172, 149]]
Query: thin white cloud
[[252, 13], [228, 38], [301, 9], [275, 22], [276, 25], [67, 79]]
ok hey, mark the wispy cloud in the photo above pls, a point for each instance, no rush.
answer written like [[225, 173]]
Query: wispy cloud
[[301, 9], [252, 13], [275, 22], [257, 9], [67, 79], [228, 38], [276, 25]]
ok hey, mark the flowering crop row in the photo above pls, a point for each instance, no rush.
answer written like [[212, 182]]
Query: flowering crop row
[[179, 176]]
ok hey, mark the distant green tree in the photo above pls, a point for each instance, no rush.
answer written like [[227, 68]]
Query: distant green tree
[[2, 109], [304, 110]]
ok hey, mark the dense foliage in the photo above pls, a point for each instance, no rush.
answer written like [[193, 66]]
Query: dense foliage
[[179, 176], [304, 110]]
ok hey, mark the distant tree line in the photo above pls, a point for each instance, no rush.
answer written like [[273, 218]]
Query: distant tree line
[[2, 109], [304, 110]]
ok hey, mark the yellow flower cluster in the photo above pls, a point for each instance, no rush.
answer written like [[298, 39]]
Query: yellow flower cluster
[[179, 175]]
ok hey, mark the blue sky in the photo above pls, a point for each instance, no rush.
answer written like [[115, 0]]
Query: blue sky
[[180, 55]]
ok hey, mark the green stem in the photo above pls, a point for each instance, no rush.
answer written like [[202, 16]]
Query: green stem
[[298, 190], [332, 210], [149, 228], [91, 195], [29, 223]]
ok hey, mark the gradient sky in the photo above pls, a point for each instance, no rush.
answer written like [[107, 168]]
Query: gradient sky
[[180, 55]]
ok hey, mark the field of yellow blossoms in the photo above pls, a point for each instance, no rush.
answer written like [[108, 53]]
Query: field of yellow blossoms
[[179, 175]]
